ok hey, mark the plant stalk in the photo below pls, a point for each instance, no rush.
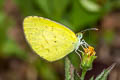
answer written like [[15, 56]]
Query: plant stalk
[[69, 70], [83, 74]]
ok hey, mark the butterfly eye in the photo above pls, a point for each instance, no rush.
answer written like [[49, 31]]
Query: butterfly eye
[[79, 35]]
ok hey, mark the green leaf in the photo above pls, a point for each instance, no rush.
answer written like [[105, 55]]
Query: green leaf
[[11, 48], [92, 78], [26, 7], [44, 5], [104, 74], [90, 6], [53, 8], [69, 70], [80, 18], [2, 4], [58, 10], [3, 27], [45, 70], [115, 4]]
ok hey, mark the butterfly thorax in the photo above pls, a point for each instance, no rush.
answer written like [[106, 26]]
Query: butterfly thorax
[[79, 36]]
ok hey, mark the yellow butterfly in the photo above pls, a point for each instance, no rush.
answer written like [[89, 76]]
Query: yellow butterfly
[[49, 39]]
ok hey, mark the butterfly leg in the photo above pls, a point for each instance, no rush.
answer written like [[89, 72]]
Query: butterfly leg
[[80, 51], [85, 43], [78, 54]]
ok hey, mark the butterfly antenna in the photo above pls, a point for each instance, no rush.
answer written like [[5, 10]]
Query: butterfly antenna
[[95, 29]]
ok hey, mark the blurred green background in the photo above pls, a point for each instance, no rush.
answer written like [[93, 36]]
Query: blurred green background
[[19, 62]]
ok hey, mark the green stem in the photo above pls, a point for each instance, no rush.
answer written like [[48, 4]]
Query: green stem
[[69, 70], [83, 74]]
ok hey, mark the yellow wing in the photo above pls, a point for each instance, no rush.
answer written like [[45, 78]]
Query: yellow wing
[[49, 39]]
